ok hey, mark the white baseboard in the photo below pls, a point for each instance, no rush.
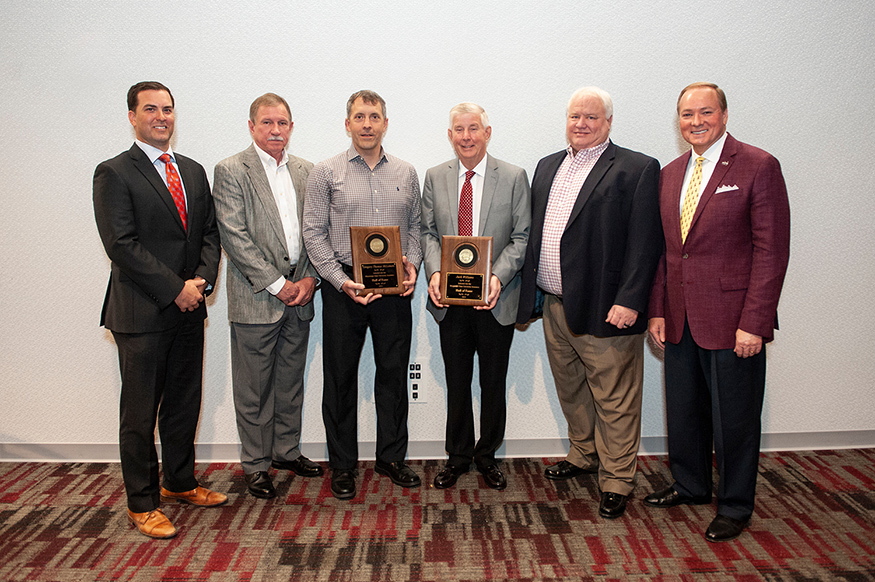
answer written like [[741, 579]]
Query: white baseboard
[[548, 447]]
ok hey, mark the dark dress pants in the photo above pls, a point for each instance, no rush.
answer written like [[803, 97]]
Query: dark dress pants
[[465, 331], [161, 383], [714, 398], [345, 324]]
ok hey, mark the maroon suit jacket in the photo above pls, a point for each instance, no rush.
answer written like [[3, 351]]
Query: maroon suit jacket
[[729, 272]]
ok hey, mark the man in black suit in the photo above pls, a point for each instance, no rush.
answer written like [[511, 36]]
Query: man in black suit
[[593, 248], [156, 219]]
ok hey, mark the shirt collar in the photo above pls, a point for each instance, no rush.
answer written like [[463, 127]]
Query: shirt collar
[[352, 154], [479, 169], [154, 153], [594, 151], [268, 160], [713, 153]]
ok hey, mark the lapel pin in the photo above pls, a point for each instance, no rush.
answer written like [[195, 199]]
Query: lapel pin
[[725, 163]]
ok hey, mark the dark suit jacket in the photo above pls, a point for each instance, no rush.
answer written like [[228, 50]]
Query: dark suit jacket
[[152, 254], [610, 246], [254, 239], [729, 272], [504, 215]]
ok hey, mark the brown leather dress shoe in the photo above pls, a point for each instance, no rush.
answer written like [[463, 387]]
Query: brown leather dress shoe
[[200, 496], [153, 524]]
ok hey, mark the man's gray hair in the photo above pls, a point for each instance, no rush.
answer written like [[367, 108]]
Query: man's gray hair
[[594, 92], [467, 107]]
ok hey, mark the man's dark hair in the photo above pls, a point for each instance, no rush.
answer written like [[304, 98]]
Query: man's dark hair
[[134, 93]]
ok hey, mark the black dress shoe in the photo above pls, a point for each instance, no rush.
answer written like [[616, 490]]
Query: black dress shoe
[[301, 466], [565, 470], [343, 483], [449, 475], [724, 528], [669, 498], [613, 505], [259, 485], [493, 476], [399, 473]]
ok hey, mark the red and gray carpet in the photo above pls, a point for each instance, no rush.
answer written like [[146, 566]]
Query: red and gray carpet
[[815, 520]]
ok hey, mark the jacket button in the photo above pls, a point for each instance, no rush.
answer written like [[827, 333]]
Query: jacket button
[[686, 256]]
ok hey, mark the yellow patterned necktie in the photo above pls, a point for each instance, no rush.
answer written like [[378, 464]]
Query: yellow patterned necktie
[[691, 200]]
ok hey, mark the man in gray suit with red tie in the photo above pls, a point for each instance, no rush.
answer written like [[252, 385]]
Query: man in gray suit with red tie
[[475, 195], [259, 202], [156, 219], [726, 219]]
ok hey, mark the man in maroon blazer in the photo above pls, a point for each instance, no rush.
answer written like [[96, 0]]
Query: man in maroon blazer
[[713, 307]]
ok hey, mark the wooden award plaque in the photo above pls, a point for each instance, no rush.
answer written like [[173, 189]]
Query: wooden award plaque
[[376, 259], [466, 267]]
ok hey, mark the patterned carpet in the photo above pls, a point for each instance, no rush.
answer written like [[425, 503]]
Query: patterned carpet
[[815, 520]]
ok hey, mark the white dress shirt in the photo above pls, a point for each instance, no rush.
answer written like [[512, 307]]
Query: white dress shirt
[[712, 158], [280, 180]]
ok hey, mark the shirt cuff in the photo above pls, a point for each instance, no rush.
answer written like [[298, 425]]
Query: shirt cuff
[[276, 286]]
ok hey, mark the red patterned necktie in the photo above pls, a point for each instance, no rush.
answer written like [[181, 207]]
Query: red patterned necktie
[[466, 206], [175, 186]]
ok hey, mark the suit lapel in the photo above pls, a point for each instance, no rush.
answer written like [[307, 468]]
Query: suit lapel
[[452, 194], [673, 178], [604, 163], [255, 171], [147, 168], [296, 169], [723, 165], [490, 183], [539, 203]]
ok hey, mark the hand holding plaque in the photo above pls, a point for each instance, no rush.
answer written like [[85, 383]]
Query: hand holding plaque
[[466, 268], [376, 259]]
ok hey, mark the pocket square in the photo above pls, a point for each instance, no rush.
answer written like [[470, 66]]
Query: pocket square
[[726, 189]]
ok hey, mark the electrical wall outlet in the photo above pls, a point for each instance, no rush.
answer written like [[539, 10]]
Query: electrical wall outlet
[[415, 384]]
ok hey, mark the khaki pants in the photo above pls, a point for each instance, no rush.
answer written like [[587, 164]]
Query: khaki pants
[[599, 383]]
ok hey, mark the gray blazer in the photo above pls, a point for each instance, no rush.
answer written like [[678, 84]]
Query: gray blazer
[[505, 215], [253, 237]]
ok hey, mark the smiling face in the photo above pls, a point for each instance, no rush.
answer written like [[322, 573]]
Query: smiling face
[[366, 125], [153, 118], [586, 124], [271, 129], [469, 138], [702, 120]]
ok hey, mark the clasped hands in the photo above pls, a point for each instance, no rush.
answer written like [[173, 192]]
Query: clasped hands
[[192, 294]]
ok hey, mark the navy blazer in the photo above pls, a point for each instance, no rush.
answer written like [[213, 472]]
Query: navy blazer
[[611, 244]]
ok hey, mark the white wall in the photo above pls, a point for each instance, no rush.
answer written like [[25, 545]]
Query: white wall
[[798, 77]]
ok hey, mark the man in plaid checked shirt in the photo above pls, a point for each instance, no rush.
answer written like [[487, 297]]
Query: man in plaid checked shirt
[[363, 186], [593, 247]]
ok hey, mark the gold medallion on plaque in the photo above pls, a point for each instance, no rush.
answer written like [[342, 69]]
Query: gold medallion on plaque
[[376, 259], [466, 267]]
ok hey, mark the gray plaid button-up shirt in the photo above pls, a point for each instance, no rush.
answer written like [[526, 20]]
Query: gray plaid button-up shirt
[[343, 191]]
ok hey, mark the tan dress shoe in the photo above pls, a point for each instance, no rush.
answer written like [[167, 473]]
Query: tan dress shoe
[[200, 496], [153, 524]]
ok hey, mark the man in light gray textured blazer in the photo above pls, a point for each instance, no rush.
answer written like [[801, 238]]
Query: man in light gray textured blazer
[[498, 206], [259, 197]]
